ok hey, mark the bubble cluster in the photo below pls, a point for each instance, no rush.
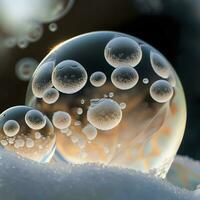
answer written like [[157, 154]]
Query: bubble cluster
[[61, 120], [126, 115], [69, 77], [98, 79], [104, 114], [25, 67], [123, 51], [161, 91], [18, 136], [124, 78]]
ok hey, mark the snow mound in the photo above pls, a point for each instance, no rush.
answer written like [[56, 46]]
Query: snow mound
[[22, 179]]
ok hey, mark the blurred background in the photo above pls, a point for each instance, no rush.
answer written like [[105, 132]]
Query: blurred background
[[171, 26]]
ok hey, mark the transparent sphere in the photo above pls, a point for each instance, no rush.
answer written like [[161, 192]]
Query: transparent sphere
[[18, 136], [97, 79], [124, 78], [116, 127], [50, 95], [25, 67]]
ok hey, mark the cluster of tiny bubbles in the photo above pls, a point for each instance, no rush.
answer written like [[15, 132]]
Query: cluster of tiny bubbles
[[69, 77], [27, 132], [128, 114], [53, 27], [61, 120], [161, 91], [50, 95], [25, 67], [123, 51], [98, 79], [104, 114], [124, 78]]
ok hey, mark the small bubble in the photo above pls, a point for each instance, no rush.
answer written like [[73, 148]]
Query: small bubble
[[11, 128], [79, 111], [122, 105], [35, 119], [98, 79], [50, 95], [37, 135], [145, 80], [61, 120], [124, 78], [111, 94], [123, 51], [4, 142], [53, 27], [90, 132], [161, 91], [29, 143]]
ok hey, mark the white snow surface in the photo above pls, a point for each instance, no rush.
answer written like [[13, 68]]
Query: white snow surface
[[22, 179]]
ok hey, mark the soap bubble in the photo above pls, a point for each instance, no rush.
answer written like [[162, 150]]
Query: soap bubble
[[34, 32], [123, 51], [160, 65], [11, 128], [90, 132], [124, 78], [25, 67], [53, 27], [35, 119], [42, 79], [50, 95], [145, 80], [161, 91], [141, 133], [18, 137], [98, 79], [61, 120], [104, 114], [69, 77]]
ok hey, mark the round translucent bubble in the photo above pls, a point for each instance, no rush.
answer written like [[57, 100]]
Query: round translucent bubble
[[145, 80], [123, 51], [141, 133], [34, 32], [11, 128], [69, 77], [98, 79], [90, 132], [25, 67], [22, 43], [104, 114], [124, 78], [79, 111], [35, 119], [53, 27], [50, 95], [161, 91], [160, 65], [61, 120], [18, 137], [42, 78]]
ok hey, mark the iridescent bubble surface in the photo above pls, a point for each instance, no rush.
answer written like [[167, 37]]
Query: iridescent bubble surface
[[18, 137], [139, 133]]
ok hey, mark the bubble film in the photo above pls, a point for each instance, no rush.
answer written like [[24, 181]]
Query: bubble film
[[124, 128]]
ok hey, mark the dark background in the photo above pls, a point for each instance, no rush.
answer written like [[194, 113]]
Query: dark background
[[172, 26]]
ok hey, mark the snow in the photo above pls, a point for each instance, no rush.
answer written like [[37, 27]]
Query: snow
[[22, 179]]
